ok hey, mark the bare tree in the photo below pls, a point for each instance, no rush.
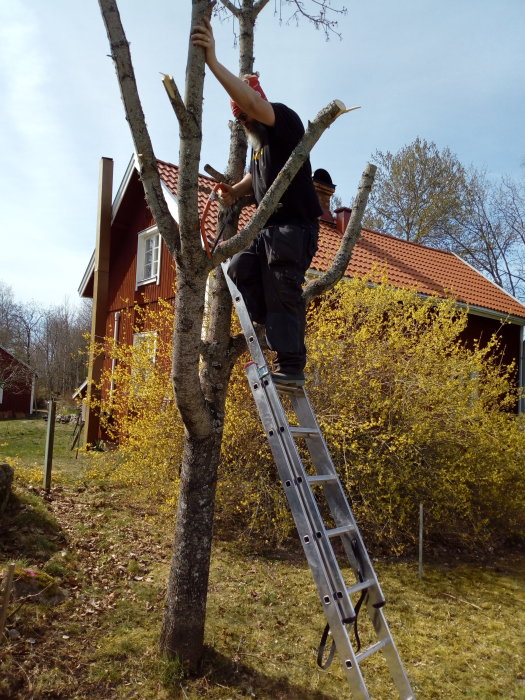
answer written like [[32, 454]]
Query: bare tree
[[50, 340], [483, 236], [201, 368], [8, 311], [58, 355], [425, 195], [420, 193], [28, 321]]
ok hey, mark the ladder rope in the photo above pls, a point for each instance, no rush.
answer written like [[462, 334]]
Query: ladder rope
[[322, 645]]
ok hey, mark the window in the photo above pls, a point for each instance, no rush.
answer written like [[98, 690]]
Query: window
[[144, 351], [148, 256]]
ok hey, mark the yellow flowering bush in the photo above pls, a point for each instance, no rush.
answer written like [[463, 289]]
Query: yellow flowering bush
[[409, 413], [412, 416], [138, 412]]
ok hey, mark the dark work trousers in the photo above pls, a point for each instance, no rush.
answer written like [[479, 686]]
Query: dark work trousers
[[269, 274]]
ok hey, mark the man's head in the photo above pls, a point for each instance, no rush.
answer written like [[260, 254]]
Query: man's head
[[253, 82]]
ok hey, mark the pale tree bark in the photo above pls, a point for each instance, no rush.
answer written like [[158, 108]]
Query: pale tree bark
[[201, 366]]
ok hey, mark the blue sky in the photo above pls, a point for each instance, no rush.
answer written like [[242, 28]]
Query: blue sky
[[449, 71]]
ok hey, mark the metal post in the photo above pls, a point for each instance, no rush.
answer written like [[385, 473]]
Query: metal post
[[50, 436], [420, 540]]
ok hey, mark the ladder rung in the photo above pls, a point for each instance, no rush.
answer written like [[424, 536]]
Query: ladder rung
[[320, 478], [372, 650], [367, 583], [343, 529], [289, 388], [306, 432]]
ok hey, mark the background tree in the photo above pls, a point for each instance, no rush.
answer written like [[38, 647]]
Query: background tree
[[58, 352], [8, 309], [425, 195], [492, 236], [420, 193], [50, 340], [201, 366]]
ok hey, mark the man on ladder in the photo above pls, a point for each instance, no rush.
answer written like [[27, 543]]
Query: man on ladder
[[270, 273]]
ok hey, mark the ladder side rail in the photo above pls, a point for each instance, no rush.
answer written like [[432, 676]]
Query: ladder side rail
[[334, 492], [315, 559], [359, 560], [290, 467], [244, 319], [336, 496]]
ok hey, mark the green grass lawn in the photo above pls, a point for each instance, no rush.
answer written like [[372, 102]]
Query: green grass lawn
[[459, 630], [25, 442]]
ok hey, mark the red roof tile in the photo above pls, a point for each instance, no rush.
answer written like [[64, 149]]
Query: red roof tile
[[407, 265]]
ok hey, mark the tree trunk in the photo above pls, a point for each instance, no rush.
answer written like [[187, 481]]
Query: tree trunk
[[183, 628]]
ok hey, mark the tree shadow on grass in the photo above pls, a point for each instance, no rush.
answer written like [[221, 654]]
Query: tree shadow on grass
[[28, 529], [245, 681]]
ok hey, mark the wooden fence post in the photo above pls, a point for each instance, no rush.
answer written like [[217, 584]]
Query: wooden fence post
[[50, 436]]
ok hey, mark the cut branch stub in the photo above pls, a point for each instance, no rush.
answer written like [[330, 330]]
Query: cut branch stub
[[176, 100]]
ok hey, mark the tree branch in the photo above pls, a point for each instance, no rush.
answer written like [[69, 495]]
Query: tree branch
[[350, 238], [259, 6], [313, 133], [231, 7], [176, 100], [149, 173], [320, 20]]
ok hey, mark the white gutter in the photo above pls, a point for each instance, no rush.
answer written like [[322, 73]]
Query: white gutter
[[116, 330], [132, 165], [521, 404], [491, 313], [90, 269], [32, 402]]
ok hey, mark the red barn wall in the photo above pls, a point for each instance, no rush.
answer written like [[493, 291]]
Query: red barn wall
[[16, 401]]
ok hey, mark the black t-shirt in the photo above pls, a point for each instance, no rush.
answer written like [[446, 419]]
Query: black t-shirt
[[300, 202]]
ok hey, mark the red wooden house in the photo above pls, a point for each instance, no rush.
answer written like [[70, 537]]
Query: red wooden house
[[131, 264], [17, 386]]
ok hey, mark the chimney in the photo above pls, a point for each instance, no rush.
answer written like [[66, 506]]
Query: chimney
[[325, 188], [342, 217]]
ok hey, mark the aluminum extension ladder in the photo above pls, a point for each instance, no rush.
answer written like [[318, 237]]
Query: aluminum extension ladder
[[317, 538]]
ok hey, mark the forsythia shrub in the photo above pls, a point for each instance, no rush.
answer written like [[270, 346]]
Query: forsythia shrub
[[140, 413], [409, 413], [412, 416]]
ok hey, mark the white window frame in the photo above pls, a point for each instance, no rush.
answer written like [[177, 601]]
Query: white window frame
[[150, 234], [1, 394], [139, 338], [141, 373]]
